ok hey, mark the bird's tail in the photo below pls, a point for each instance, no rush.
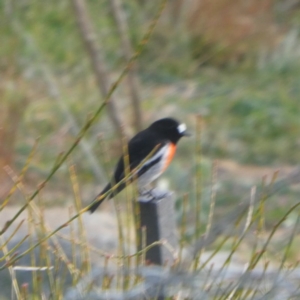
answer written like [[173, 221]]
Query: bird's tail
[[98, 202]]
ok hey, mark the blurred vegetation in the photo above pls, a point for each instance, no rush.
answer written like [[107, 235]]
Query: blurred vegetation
[[235, 63]]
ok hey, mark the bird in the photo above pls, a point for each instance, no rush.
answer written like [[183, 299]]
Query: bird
[[161, 138]]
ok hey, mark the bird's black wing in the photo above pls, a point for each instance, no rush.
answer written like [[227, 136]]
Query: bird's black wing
[[139, 147]]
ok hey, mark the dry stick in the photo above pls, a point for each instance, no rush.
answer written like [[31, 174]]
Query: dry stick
[[264, 248], [11, 236], [291, 240], [85, 145], [198, 174], [15, 258], [31, 228], [39, 213], [127, 218], [12, 250], [136, 213], [212, 196], [55, 93], [183, 225], [12, 272], [121, 243], [94, 51], [130, 222], [73, 247], [211, 209], [20, 177], [85, 258], [113, 256], [251, 208], [44, 255], [91, 121], [132, 78], [225, 225], [198, 184]]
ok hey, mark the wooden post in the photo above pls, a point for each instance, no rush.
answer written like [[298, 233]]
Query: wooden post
[[159, 219]]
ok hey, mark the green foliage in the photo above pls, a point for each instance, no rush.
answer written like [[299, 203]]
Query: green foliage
[[55, 34], [252, 117], [249, 114], [235, 238]]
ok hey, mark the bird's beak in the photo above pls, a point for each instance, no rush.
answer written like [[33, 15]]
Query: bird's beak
[[186, 133], [182, 130]]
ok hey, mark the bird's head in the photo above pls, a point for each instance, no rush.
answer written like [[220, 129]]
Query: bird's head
[[169, 128]]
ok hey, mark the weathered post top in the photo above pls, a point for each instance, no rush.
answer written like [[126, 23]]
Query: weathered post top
[[159, 219]]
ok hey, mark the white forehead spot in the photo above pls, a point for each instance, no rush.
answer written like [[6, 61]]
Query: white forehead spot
[[181, 128]]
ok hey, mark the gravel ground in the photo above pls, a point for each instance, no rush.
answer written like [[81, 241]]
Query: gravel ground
[[101, 231]]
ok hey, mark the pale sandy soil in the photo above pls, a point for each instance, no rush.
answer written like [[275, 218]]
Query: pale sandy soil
[[101, 227], [250, 173]]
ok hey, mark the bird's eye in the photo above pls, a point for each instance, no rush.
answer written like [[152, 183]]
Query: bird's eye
[[181, 128]]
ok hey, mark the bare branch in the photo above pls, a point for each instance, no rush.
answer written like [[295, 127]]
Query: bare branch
[[95, 55], [132, 78], [55, 93]]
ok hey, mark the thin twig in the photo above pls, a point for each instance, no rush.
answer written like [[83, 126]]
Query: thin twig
[[92, 120]]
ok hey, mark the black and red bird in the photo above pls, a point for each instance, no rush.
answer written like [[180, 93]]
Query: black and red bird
[[162, 135]]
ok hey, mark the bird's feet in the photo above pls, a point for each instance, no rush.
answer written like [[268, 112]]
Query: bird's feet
[[147, 195]]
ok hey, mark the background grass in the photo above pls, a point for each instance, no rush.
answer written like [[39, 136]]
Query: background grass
[[244, 84]]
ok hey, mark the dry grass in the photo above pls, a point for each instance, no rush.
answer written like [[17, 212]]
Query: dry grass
[[234, 28]]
